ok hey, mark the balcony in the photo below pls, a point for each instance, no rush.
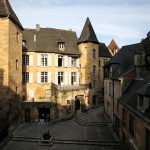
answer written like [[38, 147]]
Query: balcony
[[70, 87]]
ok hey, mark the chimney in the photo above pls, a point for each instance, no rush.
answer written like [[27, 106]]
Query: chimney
[[37, 27]]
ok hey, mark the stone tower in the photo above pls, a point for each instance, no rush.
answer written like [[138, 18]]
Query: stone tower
[[88, 47], [11, 61]]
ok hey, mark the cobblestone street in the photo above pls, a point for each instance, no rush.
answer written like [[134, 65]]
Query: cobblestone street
[[89, 131]]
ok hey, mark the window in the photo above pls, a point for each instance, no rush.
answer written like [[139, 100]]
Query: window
[[94, 84], [124, 117], [94, 53], [48, 93], [44, 77], [60, 60], [16, 64], [17, 37], [61, 45], [73, 78], [25, 59], [99, 63], [131, 125], [44, 60], [73, 62], [94, 69], [26, 77], [60, 78], [16, 89], [141, 100], [98, 74]]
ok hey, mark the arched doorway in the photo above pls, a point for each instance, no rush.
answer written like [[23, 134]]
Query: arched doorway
[[77, 105], [94, 100]]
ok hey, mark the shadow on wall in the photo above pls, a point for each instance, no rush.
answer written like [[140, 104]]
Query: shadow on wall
[[10, 108]]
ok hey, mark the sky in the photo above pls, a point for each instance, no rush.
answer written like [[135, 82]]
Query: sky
[[125, 21]]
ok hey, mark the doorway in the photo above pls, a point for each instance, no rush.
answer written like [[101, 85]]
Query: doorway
[[44, 114], [27, 115], [94, 100]]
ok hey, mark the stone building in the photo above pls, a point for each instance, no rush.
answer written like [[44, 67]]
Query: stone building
[[113, 47], [118, 73], [134, 106], [61, 74], [10, 66]]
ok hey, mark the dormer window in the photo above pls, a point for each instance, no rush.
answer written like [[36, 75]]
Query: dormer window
[[141, 100], [61, 45]]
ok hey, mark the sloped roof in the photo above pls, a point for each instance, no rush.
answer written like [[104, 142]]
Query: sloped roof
[[113, 45], [125, 58], [129, 97], [145, 90], [104, 51], [7, 11], [47, 40], [88, 34]]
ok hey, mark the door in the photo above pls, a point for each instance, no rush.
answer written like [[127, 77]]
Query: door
[[44, 114], [27, 115]]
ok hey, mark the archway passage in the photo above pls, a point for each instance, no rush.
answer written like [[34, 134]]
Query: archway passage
[[94, 100], [77, 105], [44, 114]]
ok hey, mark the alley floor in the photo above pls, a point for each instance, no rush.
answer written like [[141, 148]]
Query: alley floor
[[89, 131]]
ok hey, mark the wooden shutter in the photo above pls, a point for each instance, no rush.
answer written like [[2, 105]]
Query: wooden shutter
[[65, 61], [49, 60], [78, 63], [78, 78], [38, 77], [30, 77], [65, 78], [69, 59], [38, 59], [69, 78], [56, 78], [30, 60], [49, 77]]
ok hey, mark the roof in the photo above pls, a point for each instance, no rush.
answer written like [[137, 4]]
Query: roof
[[145, 90], [7, 11], [113, 45], [104, 51], [124, 58], [129, 97], [47, 40], [88, 34]]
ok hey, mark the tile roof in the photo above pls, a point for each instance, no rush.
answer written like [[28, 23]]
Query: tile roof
[[88, 34], [124, 58], [7, 11], [113, 45], [129, 97], [104, 51], [47, 40]]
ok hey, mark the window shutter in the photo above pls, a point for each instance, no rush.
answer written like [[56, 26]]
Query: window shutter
[[56, 78], [38, 77], [69, 59], [30, 77], [38, 60], [78, 78], [30, 60], [69, 77], [78, 65], [66, 78], [56, 60], [49, 77], [65, 61], [49, 60]]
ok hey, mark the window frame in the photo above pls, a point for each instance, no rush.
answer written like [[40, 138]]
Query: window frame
[[60, 77], [25, 77], [73, 77], [94, 53], [44, 59], [94, 69], [44, 77], [26, 60]]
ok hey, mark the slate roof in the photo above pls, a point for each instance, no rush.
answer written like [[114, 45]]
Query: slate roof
[[125, 58], [7, 11], [129, 97], [113, 45], [88, 34], [145, 90], [47, 40], [104, 51]]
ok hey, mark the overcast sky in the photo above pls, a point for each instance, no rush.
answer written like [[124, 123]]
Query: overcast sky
[[125, 21]]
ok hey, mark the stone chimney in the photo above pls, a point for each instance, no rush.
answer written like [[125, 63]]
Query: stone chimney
[[37, 27]]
